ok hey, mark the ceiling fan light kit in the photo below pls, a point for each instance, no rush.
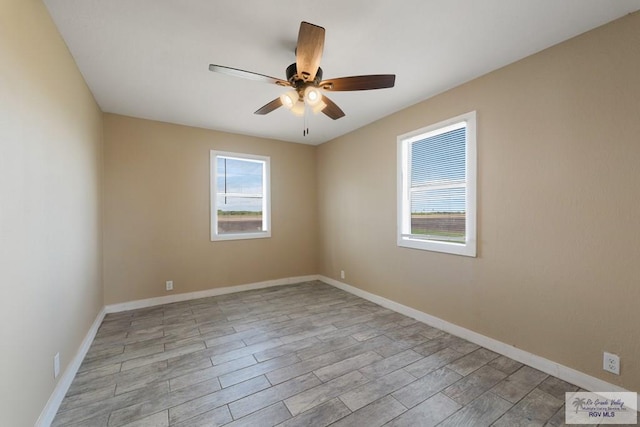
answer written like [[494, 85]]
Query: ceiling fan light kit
[[305, 77], [312, 96], [298, 109], [289, 99], [320, 106]]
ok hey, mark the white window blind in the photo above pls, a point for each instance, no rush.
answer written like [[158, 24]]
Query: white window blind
[[239, 196], [436, 187]]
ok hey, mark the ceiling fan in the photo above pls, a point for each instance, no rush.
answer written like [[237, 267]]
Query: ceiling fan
[[305, 78]]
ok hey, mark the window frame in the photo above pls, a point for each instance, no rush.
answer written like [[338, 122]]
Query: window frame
[[404, 238], [266, 196]]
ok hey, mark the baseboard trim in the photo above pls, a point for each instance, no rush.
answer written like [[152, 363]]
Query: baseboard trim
[[187, 296], [53, 404], [565, 373]]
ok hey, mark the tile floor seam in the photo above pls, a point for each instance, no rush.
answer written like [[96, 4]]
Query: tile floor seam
[[294, 326]]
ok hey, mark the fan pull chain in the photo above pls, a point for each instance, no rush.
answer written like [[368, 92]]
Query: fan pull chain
[[305, 125]]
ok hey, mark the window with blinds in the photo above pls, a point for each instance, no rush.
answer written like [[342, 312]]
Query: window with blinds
[[239, 196], [436, 206]]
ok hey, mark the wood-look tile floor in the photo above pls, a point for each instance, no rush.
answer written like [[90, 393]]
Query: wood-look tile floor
[[300, 355]]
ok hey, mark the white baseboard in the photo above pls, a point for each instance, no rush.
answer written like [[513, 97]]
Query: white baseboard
[[565, 373], [150, 302], [51, 408], [53, 404]]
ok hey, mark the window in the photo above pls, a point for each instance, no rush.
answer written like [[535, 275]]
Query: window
[[437, 187], [240, 205]]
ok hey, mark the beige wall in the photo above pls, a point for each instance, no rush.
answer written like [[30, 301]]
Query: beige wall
[[156, 216], [50, 204], [558, 271]]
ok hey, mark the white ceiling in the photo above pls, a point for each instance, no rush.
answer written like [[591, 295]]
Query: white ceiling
[[150, 58]]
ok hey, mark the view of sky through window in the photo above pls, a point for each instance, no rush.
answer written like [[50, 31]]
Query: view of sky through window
[[240, 184], [438, 173]]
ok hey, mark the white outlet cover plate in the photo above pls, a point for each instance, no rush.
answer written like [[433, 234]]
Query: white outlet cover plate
[[611, 363]]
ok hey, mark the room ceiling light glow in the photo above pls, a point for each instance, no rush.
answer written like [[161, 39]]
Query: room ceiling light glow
[[297, 100], [312, 96], [298, 108], [318, 107], [289, 99]]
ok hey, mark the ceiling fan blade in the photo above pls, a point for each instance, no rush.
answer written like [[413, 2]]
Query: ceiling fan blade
[[332, 110], [374, 81], [267, 108], [309, 50], [246, 74]]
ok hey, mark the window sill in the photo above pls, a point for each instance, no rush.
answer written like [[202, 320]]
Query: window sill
[[467, 249], [240, 236]]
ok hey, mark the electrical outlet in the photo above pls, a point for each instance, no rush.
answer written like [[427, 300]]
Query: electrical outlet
[[611, 363], [342, 274], [56, 365], [169, 285]]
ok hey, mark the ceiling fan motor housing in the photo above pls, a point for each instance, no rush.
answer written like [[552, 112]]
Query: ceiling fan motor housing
[[298, 81]]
